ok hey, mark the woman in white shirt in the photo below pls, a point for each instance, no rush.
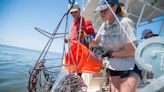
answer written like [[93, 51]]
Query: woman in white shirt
[[124, 74]]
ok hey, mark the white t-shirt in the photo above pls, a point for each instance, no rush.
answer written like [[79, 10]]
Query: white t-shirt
[[114, 38]]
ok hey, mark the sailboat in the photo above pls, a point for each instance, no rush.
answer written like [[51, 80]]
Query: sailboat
[[62, 81]]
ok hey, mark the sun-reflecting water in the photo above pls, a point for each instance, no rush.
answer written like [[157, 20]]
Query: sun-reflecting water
[[15, 64]]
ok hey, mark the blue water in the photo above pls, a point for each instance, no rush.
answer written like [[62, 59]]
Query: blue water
[[15, 64]]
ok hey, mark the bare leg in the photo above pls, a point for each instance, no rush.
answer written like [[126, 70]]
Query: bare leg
[[129, 84], [114, 83]]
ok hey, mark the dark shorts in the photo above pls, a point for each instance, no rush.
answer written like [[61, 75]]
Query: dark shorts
[[124, 74]]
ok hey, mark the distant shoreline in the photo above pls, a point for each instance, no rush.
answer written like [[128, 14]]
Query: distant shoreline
[[28, 49]]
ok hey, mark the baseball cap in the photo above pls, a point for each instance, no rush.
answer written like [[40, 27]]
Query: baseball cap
[[102, 4], [74, 7], [145, 32]]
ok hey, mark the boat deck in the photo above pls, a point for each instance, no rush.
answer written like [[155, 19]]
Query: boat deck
[[95, 82]]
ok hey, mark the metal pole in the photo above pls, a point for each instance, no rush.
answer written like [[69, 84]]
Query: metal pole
[[127, 4], [142, 11], [161, 29]]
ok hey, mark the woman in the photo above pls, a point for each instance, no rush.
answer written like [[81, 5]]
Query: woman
[[124, 74]]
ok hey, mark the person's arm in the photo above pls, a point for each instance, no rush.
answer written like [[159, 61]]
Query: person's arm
[[128, 50], [95, 42], [73, 33], [66, 40], [97, 39], [128, 39], [89, 27]]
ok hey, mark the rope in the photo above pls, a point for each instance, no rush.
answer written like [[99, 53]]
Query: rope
[[121, 25], [80, 31]]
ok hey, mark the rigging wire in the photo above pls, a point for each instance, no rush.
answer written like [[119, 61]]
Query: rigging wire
[[121, 25], [34, 74], [80, 31], [47, 33], [42, 31], [71, 2]]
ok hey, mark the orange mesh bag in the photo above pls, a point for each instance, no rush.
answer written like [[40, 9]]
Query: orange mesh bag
[[87, 62]]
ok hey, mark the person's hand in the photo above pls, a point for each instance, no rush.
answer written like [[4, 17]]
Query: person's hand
[[107, 54], [66, 40], [87, 39]]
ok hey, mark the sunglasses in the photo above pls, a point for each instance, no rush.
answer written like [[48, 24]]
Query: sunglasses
[[74, 12]]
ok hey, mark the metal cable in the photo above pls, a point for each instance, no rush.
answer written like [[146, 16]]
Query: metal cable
[[121, 25], [34, 74], [80, 30]]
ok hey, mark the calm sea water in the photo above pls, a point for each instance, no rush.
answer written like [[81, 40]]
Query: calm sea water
[[15, 64]]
